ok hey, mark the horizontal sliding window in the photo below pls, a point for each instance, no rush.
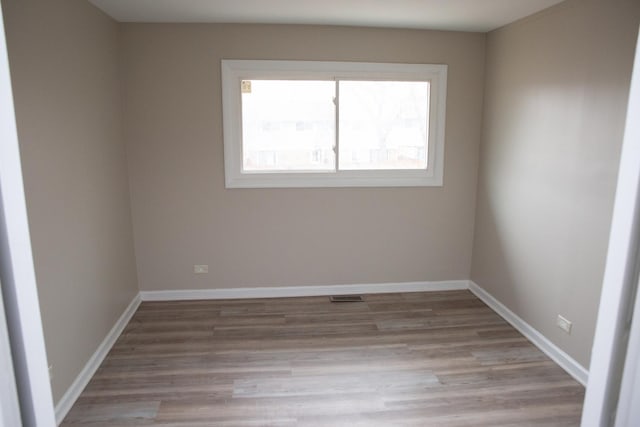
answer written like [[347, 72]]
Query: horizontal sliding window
[[332, 124]]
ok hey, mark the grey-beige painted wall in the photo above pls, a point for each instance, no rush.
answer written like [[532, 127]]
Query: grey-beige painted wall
[[183, 215], [556, 91], [65, 75]]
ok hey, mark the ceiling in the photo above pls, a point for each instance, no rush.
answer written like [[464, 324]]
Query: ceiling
[[458, 15]]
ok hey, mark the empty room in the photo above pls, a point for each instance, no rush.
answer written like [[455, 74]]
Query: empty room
[[297, 213]]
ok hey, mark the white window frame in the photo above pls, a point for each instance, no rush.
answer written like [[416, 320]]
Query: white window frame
[[234, 71]]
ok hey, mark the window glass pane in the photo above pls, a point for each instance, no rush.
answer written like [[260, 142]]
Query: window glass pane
[[288, 125], [383, 125]]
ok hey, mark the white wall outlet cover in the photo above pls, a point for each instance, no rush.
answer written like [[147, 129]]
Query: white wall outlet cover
[[199, 269], [564, 323]]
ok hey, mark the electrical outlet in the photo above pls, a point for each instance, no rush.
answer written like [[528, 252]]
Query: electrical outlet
[[200, 269], [564, 324]]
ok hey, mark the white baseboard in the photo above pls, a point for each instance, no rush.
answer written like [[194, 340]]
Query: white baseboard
[[303, 291], [566, 362], [83, 378]]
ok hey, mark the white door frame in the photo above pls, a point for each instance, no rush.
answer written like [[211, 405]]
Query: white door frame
[[611, 344], [9, 404], [17, 274], [628, 412]]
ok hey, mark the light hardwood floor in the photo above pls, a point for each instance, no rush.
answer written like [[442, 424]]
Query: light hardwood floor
[[421, 359]]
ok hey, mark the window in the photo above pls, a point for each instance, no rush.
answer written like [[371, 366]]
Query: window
[[333, 124]]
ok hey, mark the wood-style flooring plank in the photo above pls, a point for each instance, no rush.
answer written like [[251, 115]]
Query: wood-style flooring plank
[[420, 359]]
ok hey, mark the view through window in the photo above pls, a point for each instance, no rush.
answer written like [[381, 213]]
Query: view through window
[[292, 125]]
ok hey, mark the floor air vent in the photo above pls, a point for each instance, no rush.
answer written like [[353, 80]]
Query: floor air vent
[[346, 298]]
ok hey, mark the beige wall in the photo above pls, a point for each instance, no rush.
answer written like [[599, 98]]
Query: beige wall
[[555, 102], [64, 65], [183, 215]]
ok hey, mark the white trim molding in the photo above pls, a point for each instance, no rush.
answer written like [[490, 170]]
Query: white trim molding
[[234, 72], [303, 291], [92, 365], [566, 362], [613, 392]]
